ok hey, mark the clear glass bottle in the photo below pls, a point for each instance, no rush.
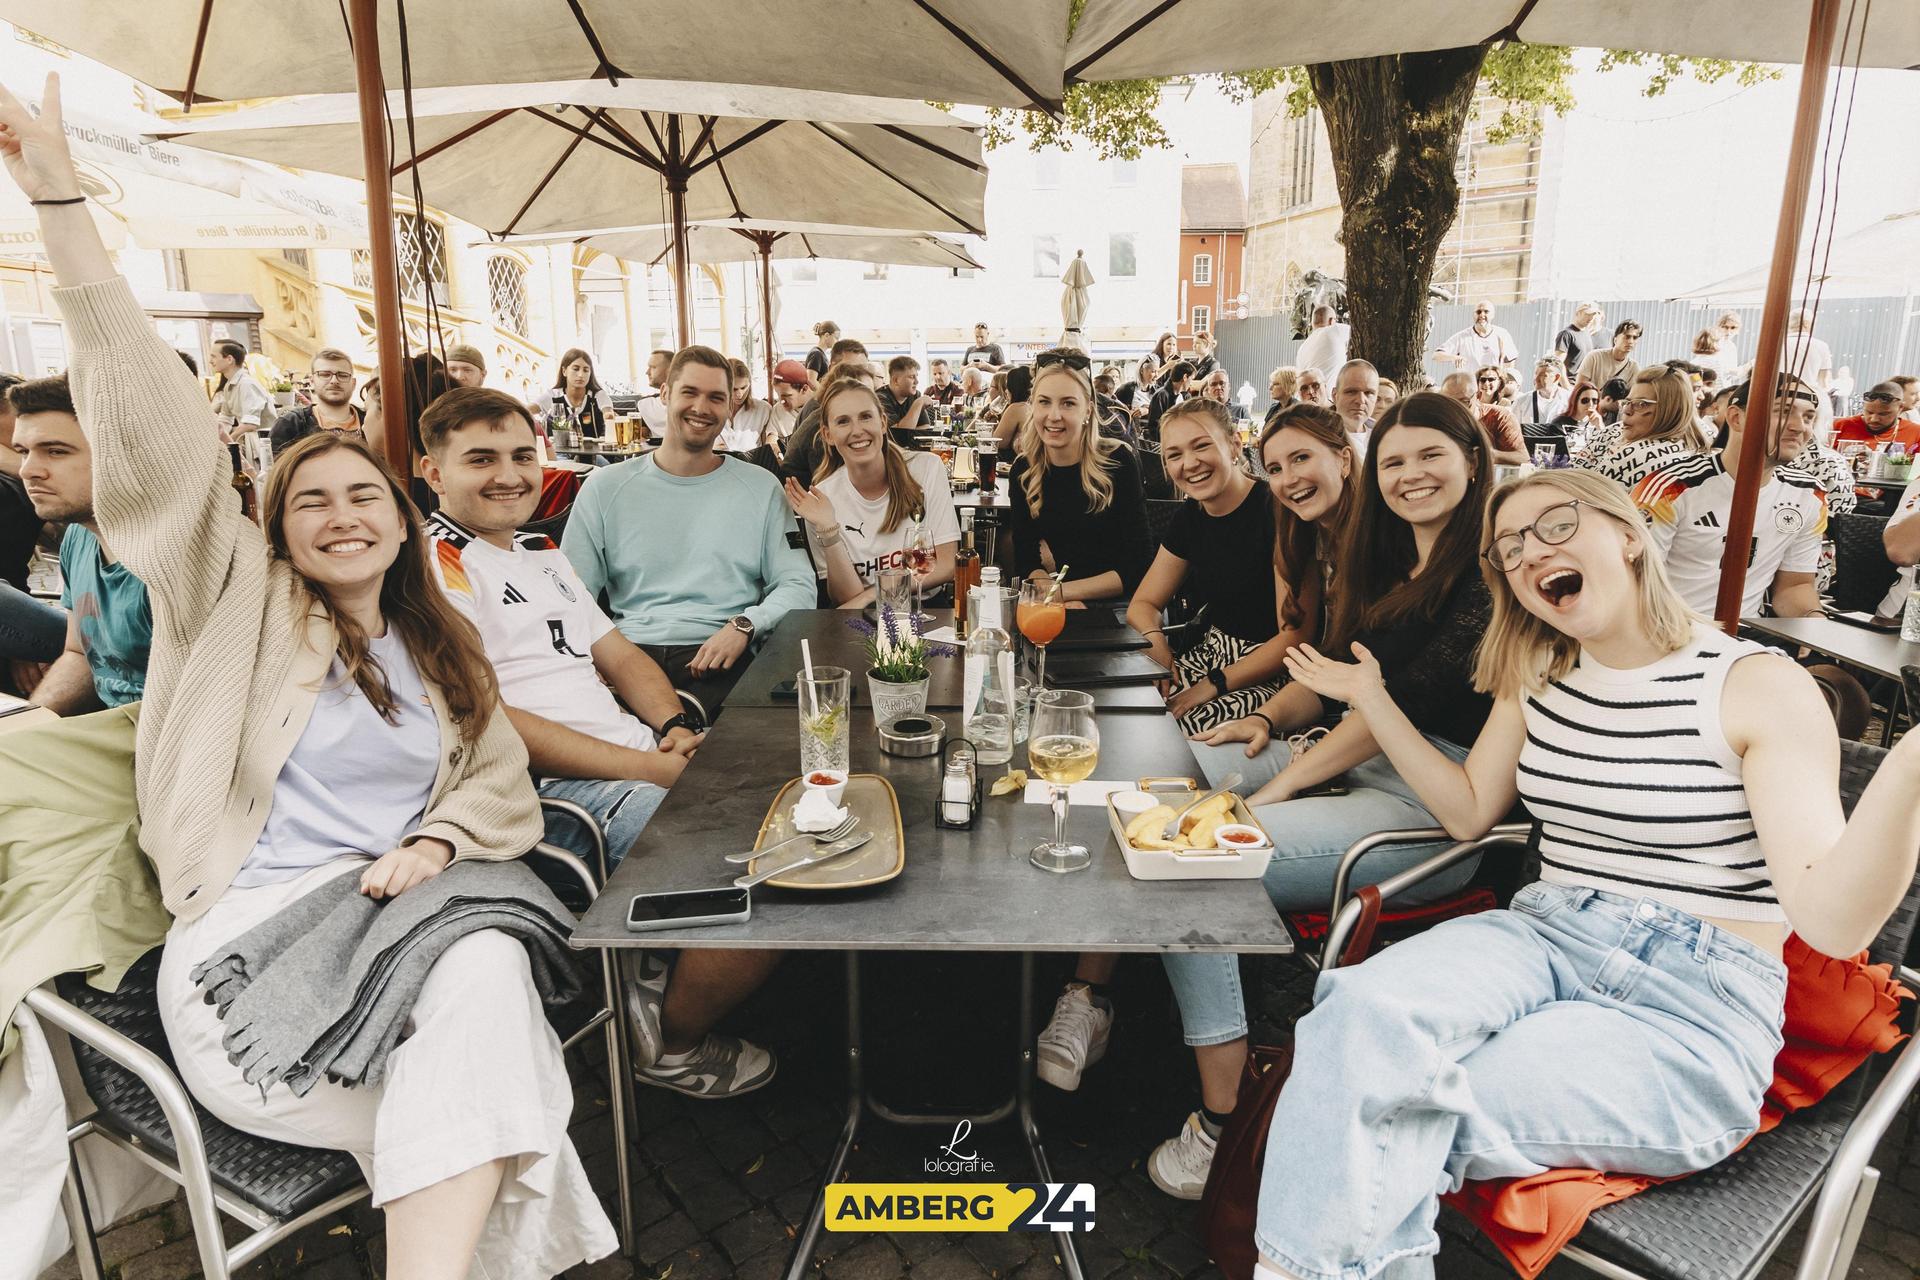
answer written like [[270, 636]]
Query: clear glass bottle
[[989, 689]]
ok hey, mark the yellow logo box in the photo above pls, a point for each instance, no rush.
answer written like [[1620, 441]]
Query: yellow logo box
[[960, 1206]]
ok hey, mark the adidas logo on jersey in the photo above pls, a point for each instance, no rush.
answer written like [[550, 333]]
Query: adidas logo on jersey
[[512, 595], [1711, 520]]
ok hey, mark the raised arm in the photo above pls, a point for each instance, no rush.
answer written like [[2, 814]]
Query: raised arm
[[160, 476]]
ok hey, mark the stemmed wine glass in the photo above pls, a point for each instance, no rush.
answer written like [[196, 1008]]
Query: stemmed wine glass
[[1041, 615], [920, 560], [1064, 748]]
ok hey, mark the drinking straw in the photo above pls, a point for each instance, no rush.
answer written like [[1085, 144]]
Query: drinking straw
[[1059, 580], [806, 660]]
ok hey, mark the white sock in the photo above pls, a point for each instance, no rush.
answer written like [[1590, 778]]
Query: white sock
[[1264, 1270]]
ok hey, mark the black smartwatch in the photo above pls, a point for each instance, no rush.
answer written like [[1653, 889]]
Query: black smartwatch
[[1219, 680], [681, 721]]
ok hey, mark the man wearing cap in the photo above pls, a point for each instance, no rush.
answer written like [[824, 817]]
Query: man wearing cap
[[1878, 422], [1574, 342], [1689, 505], [332, 408], [944, 389], [983, 354], [790, 393], [466, 367]]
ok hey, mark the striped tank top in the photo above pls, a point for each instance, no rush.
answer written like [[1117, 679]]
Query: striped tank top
[[1636, 789]]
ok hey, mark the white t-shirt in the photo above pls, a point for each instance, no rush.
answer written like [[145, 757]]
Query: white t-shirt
[[1819, 356], [861, 518], [538, 624], [653, 411], [1325, 349], [1896, 600], [743, 431], [1687, 507], [1495, 347]]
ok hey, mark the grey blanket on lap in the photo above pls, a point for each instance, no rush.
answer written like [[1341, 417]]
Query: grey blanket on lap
[[325, 987]]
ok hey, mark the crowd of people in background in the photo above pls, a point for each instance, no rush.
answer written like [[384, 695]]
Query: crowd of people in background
[[1467, 571]]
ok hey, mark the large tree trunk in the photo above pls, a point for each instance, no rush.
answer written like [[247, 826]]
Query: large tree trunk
[[1394, 127]]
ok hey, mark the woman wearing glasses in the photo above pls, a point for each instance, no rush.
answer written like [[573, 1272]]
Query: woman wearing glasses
[[1624, 1012], [1657, 428], [1409, 591], [1076, 496]]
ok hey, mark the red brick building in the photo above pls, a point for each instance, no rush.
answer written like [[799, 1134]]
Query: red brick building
[[1213, 230]]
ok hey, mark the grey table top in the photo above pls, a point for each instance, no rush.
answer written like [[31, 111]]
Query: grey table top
[[836, 644], [961, 890], [1879, 651]]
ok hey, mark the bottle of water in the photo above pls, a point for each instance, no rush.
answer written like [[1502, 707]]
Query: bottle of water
[[989, 690]]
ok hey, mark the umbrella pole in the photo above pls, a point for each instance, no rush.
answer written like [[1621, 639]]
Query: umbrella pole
[[1773, 313], [765, 239], [364, 24], [676, 174]]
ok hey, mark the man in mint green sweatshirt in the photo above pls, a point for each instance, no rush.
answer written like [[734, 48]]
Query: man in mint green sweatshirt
[[690, 546]]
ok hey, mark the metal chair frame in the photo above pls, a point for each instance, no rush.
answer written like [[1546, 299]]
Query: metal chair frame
[[1848, 1185], [206, 1201]]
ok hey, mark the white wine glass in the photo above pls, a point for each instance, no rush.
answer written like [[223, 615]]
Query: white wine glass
[[1063, 747]]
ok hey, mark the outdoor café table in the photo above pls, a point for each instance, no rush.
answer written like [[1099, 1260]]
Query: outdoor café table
[[1882, 652], [960, 891], [835, 643]]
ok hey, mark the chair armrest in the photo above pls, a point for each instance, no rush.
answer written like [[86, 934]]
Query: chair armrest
[[592, 825], [1827, 1224], [1347, 911], [571, 861], [695, 708], [189, 1145]]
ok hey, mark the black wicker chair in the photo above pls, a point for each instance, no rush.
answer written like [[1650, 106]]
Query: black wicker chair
[[272, 1188], [1153, 474], [1861, 571], [1726, 1223]]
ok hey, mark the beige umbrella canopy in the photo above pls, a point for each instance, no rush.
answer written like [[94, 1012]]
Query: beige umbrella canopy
[[1130, 39], [1074, 301], [986, 51]]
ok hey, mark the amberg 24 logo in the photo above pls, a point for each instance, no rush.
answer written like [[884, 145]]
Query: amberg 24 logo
[[960, 1206]]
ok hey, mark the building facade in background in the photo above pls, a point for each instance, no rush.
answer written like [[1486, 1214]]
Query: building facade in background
[[1213, 231]]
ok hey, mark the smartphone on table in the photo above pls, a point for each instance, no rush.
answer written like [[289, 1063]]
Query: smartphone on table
[[686, 908]]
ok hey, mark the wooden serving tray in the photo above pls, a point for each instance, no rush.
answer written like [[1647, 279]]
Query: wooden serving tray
[[875, 807]]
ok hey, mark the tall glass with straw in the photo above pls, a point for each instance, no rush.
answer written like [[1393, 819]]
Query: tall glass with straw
[[1042, 615], [825, 706]]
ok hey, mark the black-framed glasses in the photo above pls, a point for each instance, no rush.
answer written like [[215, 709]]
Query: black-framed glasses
[[1489, 378], [1554, 526], [1072, 359]]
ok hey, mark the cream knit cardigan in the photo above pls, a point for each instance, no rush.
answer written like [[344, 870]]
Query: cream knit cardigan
[[240, 646]]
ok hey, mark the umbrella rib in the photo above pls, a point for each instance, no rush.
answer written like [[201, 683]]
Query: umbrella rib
[[199, 51], [444, 143], [659, 143], [721, 153], [1132, 30], [620, 131], [642, 158], [934, 147], [857, 154], [706, 131], [1512, 30], [986, 55], [541, 189], [726, 182], [606, 68]]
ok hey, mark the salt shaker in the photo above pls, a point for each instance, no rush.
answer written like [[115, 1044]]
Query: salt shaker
[[959, 787]]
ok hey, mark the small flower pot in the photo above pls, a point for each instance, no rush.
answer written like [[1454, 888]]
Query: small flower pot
[[893, 699]]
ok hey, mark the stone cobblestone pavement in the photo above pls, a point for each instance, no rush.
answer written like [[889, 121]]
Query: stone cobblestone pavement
[[723, 1186]]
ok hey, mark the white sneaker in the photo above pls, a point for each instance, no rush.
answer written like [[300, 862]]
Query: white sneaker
[[1074, 1038], [718, 1067], [1179, 1165], [645, 980]]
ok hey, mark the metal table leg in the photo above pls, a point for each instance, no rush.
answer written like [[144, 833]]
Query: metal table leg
[[799, 1265]]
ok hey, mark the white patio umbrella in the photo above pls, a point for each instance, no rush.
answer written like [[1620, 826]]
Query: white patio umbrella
[[719, 242], [1131, 39], [985, 51], [1074, 302], [546, 159], [1880, 258]]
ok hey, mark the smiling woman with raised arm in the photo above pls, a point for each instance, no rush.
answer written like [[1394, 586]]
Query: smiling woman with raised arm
[[1624, 1012], [315, 710]]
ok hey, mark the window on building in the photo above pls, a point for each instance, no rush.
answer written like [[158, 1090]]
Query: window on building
[[1203, 319], [1046, 255], [295, 258], [875, 271], [1299, 177], [962, 273], [1046, 168], [420, 246], [1203, 268], [802, 271], [1120, 255], [507, 293], [1124, 173]]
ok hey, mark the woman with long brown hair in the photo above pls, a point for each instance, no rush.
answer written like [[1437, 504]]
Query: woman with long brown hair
[[873, 506], [1409, 592], [314, 709]]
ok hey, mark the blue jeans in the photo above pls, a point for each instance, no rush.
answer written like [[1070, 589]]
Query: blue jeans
[[30, 630], [1578, 1029], [1310, 835], [622, 807]]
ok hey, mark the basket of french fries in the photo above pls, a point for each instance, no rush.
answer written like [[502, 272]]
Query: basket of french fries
[[1217, 840]]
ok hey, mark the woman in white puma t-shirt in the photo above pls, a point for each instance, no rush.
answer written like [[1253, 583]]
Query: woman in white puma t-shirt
[[871, 499]]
